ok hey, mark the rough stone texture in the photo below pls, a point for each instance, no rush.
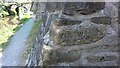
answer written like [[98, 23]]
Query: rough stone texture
[[57, 55], [84, 8], [95, 59], [56, 5], [101, 20], [71, 25], [68, 8], [83, 33], [66, 22], [111, 10], [103, 46]]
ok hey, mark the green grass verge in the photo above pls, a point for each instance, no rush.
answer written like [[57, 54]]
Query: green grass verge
[[35, 29], [7, 30], [31, 38], [22, 22], [25, 17]]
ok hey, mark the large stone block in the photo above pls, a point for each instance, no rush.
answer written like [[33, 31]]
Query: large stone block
[[52, 55], [101, 58], [84, 8], [83, 33], [54, 6], [89, 7], [102, 48], [70, 8], [111, 10]]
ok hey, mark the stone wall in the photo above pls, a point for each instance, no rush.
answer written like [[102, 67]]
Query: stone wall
[[77, 34]]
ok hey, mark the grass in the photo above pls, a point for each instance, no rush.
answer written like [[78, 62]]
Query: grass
[[26, 16], [8, 27], [31, 38], [22, 21], [6, 31], [35, 29]]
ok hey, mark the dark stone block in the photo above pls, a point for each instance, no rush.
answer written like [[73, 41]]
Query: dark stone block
[[84, 8], [69, 8], [101, 20], [66, 22], [89, 7]]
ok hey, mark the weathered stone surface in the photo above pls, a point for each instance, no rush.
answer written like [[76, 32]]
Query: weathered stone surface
[[54, 6], [119, 13], [103, 48], [111, 10], [89, 7], [66, 22], [118, 20], [101, 20], [69, 9], [95, 59], [114, 24], [53, 56], [68, 56], [93, 43], [77, 34], [83, 7]]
